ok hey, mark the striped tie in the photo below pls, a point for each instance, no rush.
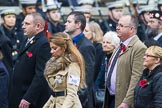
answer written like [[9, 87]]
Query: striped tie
[[113, 65]]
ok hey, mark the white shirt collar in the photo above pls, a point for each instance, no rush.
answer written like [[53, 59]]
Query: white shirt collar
[[126, 42], [158, 36], [29, 39]]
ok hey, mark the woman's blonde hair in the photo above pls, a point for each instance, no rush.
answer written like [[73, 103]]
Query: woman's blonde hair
[[64, 41], [97, 32], [156, 51]]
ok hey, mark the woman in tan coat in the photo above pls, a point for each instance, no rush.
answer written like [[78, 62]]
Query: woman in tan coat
[[64, 73]]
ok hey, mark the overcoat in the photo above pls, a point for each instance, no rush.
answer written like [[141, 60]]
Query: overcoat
[[28, 81], [64, 81], [88, 52], [11, 47], [160, 41], [6, 48], [150, 95], [129, 70]]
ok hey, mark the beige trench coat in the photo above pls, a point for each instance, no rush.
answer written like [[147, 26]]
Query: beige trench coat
[[63, 81]]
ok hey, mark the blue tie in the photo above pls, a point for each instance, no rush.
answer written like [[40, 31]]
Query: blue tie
[[113, 65]]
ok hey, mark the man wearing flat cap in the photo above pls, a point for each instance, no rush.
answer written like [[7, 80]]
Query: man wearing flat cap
[[154, 28]]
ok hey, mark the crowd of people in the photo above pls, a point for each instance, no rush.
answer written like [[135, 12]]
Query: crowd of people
[[79, 62]]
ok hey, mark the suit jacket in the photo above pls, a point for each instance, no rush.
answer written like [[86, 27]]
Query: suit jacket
[[28, 81], [98, 60], [160, 41], [87, 50], [129, 70]]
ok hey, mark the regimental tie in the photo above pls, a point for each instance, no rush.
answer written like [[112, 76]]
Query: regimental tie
[[114, 60]]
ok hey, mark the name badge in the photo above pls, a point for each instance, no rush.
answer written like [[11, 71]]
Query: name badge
[[74, 80]]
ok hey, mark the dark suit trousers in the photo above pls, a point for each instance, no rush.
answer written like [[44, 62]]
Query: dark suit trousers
[[109, 100]]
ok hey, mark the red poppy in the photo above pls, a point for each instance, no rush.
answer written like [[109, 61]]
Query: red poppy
[[29, 54], [143, 83], [123, 48]]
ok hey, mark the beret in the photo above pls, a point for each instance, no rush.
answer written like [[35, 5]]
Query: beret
[[156, 14]]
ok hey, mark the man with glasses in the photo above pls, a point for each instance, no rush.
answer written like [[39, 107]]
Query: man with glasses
[[125, 65], [154, 27]]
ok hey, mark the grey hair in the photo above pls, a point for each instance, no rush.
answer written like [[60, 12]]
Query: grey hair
[[115, 40]]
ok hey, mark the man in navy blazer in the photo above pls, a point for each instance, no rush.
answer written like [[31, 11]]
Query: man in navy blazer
[[74, 26], [29, 87]]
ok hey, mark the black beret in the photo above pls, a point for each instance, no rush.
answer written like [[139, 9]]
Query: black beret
[[156, 14]]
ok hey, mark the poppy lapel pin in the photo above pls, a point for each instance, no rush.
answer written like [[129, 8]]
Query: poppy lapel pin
[[29, 54], [123, 48]]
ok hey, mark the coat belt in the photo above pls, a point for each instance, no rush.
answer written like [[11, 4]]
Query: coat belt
[[59, 93]]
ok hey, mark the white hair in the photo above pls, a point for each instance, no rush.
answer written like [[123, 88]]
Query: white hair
[[115, 40]]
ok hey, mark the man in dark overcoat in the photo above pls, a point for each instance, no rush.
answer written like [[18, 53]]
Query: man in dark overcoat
[[29, 88]]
